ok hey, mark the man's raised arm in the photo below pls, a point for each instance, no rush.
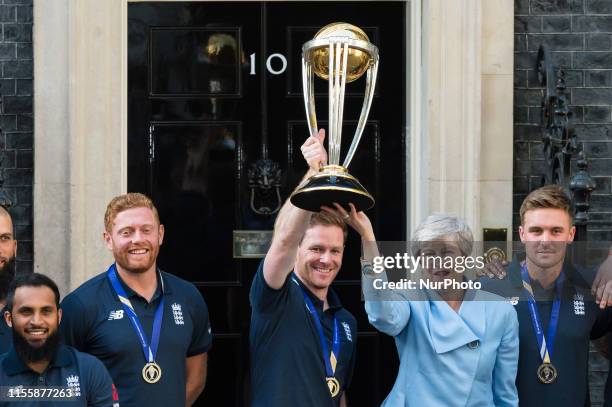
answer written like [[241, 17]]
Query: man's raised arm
[[292, 222]]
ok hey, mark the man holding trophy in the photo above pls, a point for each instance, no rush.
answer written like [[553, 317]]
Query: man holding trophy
[[303, 342]]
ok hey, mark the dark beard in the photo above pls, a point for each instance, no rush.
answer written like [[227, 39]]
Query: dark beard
[[7, 274], [30, 354]]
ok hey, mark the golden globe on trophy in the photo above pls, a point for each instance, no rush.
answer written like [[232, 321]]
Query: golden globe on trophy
[[339, 53]]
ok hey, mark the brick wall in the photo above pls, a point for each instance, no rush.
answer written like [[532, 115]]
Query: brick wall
[[16, 125], [579, 34]]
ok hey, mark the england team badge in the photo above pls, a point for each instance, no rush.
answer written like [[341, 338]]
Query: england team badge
[[578, 304], [177, 313]]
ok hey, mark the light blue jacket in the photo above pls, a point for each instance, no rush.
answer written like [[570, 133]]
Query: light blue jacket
[[440, 362]]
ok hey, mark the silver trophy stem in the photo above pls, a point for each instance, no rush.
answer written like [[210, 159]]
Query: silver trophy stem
[[342, 78], [331, 106], [309, 100], [337, 84], [365, 110], [336, 139]]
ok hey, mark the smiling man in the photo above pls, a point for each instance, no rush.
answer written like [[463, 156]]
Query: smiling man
[[39, 361], [150, 328], [555, 309], [8, 251], [302, 339]]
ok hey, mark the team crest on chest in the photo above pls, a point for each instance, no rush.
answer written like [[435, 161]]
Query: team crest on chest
[[578, 304], [177, 313], [74, 383]]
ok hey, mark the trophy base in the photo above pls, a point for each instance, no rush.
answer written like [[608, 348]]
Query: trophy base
[[332, 184]]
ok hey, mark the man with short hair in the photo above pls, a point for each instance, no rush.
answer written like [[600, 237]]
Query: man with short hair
[[149, 327], [553, 303], [302, 340], [38, 360], [8, 251]]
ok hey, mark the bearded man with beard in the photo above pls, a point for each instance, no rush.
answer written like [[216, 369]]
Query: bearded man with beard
[[38, 361], [150, 328], [8, 249]]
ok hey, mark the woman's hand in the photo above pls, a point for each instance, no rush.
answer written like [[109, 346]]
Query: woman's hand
[[357, 220]]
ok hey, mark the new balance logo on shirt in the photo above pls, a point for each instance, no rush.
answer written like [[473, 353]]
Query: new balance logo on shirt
[[115, 315]]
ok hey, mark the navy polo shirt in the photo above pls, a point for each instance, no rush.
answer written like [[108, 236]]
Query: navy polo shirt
[[85, 375], [95, 322], [287, 366], [6, 336], [577, 315]]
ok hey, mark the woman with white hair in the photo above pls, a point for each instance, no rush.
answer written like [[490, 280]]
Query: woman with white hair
[[456, 347]]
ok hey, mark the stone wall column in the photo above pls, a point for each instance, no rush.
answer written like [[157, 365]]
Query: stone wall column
[[452, 126], [81, 142], [466, 137]]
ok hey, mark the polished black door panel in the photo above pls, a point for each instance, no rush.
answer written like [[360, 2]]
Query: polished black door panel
[[200, 100], [193, 177]]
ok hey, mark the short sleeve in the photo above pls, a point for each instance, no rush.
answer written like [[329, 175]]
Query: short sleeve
[[73, 326], [264, 298], [101, 391], [201, 338]]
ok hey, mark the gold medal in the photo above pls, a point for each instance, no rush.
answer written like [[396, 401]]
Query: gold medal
[[151, 372], [547, 373], [334, 386]]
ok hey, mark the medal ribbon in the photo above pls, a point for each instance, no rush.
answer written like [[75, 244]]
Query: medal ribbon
[[547, 343], [148, 351], [332, 361]]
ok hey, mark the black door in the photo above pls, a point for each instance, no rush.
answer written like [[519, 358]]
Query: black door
[[213, 88]]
